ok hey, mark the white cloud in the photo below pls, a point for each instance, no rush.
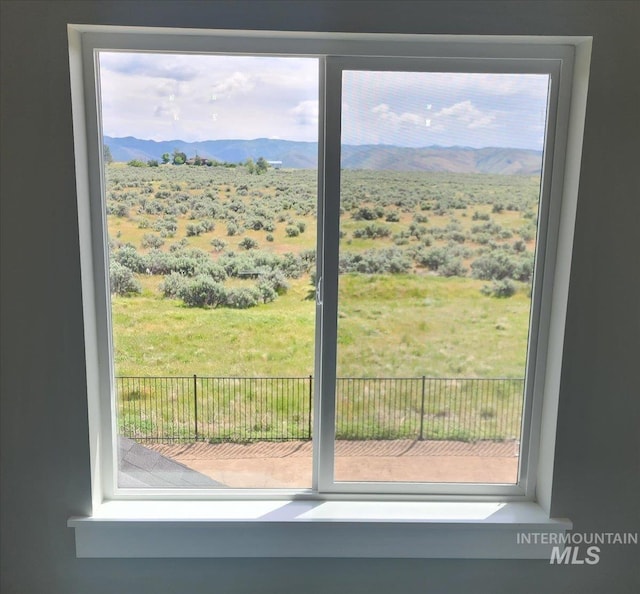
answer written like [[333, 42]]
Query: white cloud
[[200, 97], [306, 113], [236, 83], [466, 114], [137, 65], [387, 114], [170, 89], [164, 111]]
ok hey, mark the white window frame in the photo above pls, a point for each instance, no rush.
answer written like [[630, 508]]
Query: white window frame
[[444, 505]]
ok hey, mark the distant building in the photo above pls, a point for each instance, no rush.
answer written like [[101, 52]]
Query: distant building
[[275, 164]]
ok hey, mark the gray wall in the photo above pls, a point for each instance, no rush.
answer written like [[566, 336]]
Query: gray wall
[[45, 461]]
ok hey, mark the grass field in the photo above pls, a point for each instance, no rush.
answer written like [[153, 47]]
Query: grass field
[[408, 324], [419, 306], [401, 325]]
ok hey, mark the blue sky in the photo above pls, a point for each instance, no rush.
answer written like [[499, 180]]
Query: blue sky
[[198, 97]]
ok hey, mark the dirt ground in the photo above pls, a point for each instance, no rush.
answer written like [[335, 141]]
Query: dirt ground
[[288, 464]]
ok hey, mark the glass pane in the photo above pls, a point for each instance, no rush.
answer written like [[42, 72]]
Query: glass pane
[[211, 202], [440, 187]]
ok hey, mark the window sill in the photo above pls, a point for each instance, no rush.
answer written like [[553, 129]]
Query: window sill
[[467, 530]]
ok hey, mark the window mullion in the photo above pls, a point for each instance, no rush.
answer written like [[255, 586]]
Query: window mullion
[[330, 187], [317, 391]]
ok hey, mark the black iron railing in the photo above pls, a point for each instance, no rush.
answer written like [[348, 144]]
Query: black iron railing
[[243, 409]]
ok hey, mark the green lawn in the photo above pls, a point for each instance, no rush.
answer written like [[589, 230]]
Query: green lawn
[[389, 325]]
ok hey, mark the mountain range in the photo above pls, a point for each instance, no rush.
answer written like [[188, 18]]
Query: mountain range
[[303, 155]]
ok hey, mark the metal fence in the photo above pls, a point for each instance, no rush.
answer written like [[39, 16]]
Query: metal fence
[[234, 409]]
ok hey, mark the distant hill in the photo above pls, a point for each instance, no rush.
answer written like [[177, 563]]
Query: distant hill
[[302, 155]]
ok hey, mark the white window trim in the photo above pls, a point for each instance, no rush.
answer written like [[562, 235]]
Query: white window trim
[[478, 525]]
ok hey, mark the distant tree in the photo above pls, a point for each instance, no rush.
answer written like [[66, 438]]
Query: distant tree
[[261, 165], [108, 158], [136, 163], [152, 163], [166, 157], [250, 165], [179, 158]]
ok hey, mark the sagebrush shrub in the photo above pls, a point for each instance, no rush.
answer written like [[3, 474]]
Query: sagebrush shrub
[[128, 256], [242, 297], [122, 280], [372, 231], [149, 240], [172, 284], [248, 243], [292, 231], [218, 244], [502, 288], [202, 291]]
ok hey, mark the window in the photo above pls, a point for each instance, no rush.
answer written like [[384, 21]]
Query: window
[[455, 388], [440, 181], [219, 241]]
